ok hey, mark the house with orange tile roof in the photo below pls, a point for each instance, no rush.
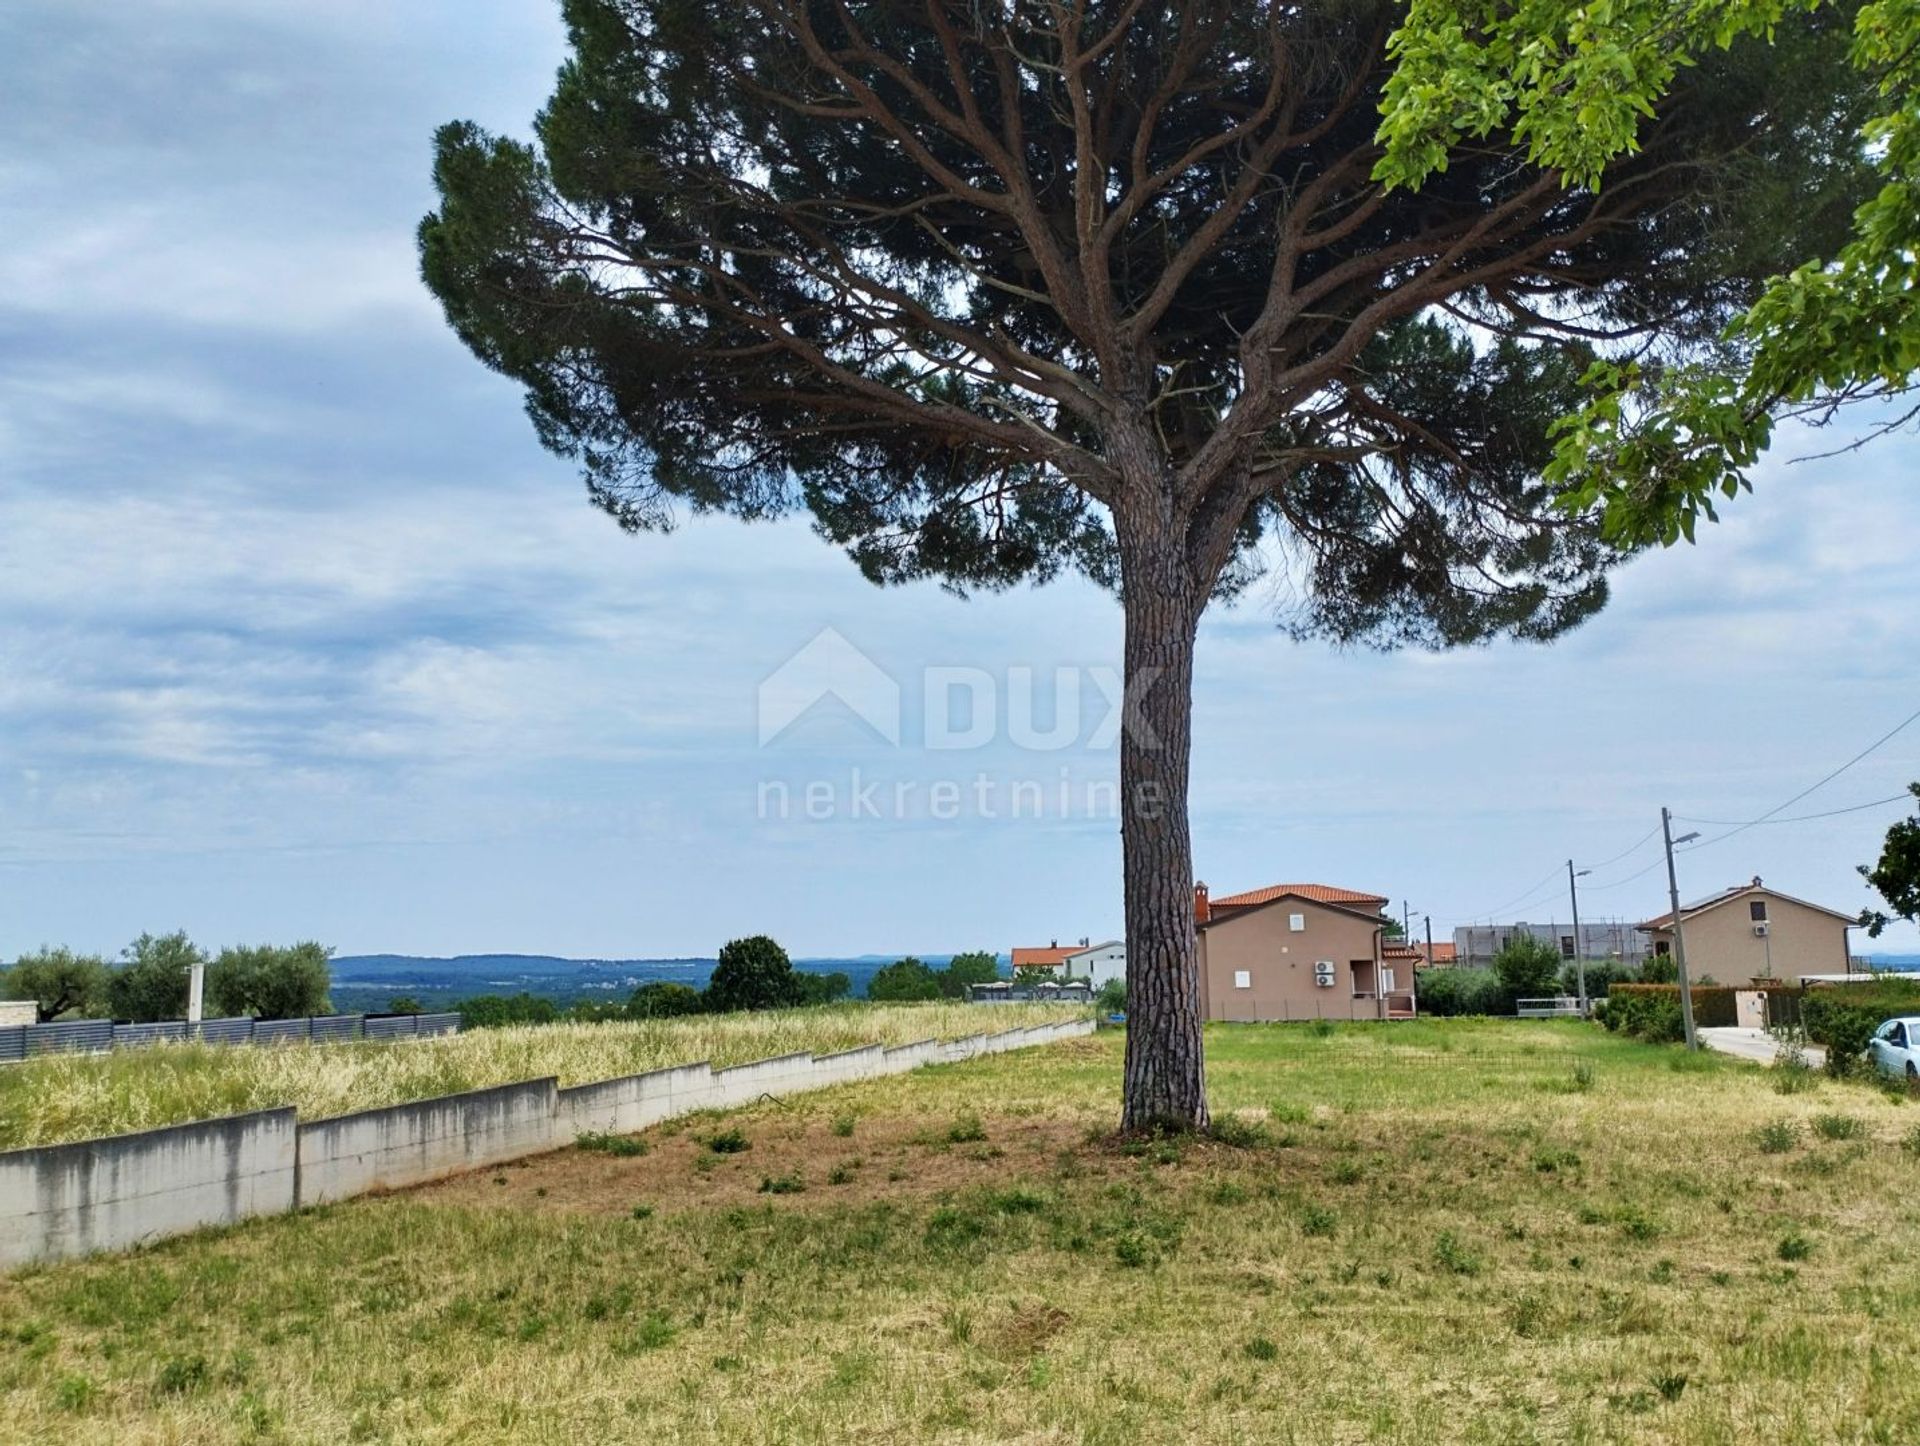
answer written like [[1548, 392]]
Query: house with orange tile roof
[[1301, 951], [1054, 956]]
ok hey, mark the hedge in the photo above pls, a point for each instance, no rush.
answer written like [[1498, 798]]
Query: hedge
[[1647, 1012], [1843, 1017], [1713, 1004]]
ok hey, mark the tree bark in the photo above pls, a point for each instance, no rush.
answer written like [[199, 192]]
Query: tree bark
[[1165, 1084]]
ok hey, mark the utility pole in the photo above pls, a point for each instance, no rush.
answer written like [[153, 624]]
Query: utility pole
[[1429, 941], [1579, 954], [1679, 939]]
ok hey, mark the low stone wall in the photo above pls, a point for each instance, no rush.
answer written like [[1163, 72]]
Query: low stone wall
[[63, 1200], [58, 1201]]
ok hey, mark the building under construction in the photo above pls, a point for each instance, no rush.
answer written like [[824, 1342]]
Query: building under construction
[[1613, 940]]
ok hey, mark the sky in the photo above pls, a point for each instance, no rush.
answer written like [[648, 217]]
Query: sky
[[303, 636]]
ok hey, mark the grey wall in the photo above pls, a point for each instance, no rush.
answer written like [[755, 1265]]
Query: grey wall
[[62, 1200], [58, 1201]]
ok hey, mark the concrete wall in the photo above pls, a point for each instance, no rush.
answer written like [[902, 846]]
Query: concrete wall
[[63, 1200], [18, 1011], [426, 1140]]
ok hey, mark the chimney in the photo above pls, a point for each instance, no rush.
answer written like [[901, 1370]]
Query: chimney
[[1756, 881], [1202, 910]]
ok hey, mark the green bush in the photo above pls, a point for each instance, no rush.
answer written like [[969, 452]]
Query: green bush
[[496, 1011], [1843, 1017], [1112, 998], [1456, 991], [1714, 1006], [1528, 968], [1648, 1012], [664, 999]]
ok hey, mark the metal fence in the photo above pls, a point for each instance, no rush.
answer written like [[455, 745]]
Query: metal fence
[[90, 1036]]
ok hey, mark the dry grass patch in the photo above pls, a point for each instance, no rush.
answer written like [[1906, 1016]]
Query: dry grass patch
[[1661, 1281]]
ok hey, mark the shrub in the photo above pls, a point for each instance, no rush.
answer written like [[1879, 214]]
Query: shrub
[[1112, 998], [1262, 1349], [1794, 1246], [1452, 992], [1317, 1220], [1648, 1012], [270, 982], [727, 1142], [1844, 1017], [664, 999], [1713, 1004], [790, 1184], [752, 973], [966, 1130], [497, 1011], [1239, 1132], [1839, 1127]]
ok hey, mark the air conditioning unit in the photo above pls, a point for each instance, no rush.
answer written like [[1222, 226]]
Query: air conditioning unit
[[1323, 973], [1760, 930]]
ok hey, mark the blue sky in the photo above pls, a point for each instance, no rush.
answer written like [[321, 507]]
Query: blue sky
[[302, 635]]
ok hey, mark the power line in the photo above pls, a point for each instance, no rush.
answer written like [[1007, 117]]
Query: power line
[[1551, 875], [1803, 817], [1594, 888], [1607, 863], [1788, 803]]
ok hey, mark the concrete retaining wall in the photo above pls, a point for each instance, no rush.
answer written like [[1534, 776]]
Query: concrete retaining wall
[[63, 1200], [426, 1140]]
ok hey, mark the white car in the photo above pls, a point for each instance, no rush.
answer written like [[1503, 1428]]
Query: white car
[[1895, 1049]]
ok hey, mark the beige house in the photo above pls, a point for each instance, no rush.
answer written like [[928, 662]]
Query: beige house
[[1752, 932], [1300, 951]]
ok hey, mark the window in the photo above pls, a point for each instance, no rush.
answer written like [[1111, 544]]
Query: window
[[1386, 981], [1757, 911], [1566, 946], [1897, 1038], [1662, 947], [1243, 979], [1297, 923]]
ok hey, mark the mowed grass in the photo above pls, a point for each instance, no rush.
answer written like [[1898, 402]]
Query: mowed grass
[[73, 1097], [1445, 1231]]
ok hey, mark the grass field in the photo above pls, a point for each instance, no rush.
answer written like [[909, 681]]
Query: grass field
[[1443, 1231], [75, 1096]]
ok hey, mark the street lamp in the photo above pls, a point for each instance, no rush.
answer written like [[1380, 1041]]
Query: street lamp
[[1679, 938], [1579, 957]]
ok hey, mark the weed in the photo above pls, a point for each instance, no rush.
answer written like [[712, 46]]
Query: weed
[[1555, 1159], [843, 1125], [1453, 1256], [1228, 1192], [789, 1184], [1670, 1386], [1582, 1077], [1910, 1142], [1317, 1220], [1322, 1029], [727, 1142], [1134, 1251], [183, 1375], [1839, 1127], [1637, 1225], [1794, 1246], [643, 1212], [1776, 1137], [1262, 1349], [1240, 1132], [841, 1174], [1347, 1172], [624, 1146], [75, 1393], [966, 1130]]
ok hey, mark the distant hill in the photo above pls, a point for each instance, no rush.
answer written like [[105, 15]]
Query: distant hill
[[369, 981]]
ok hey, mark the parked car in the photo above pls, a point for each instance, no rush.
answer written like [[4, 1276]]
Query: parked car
[[1895, 1049]]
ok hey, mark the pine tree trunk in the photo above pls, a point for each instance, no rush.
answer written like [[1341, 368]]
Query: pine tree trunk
[[1166, 1084]]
